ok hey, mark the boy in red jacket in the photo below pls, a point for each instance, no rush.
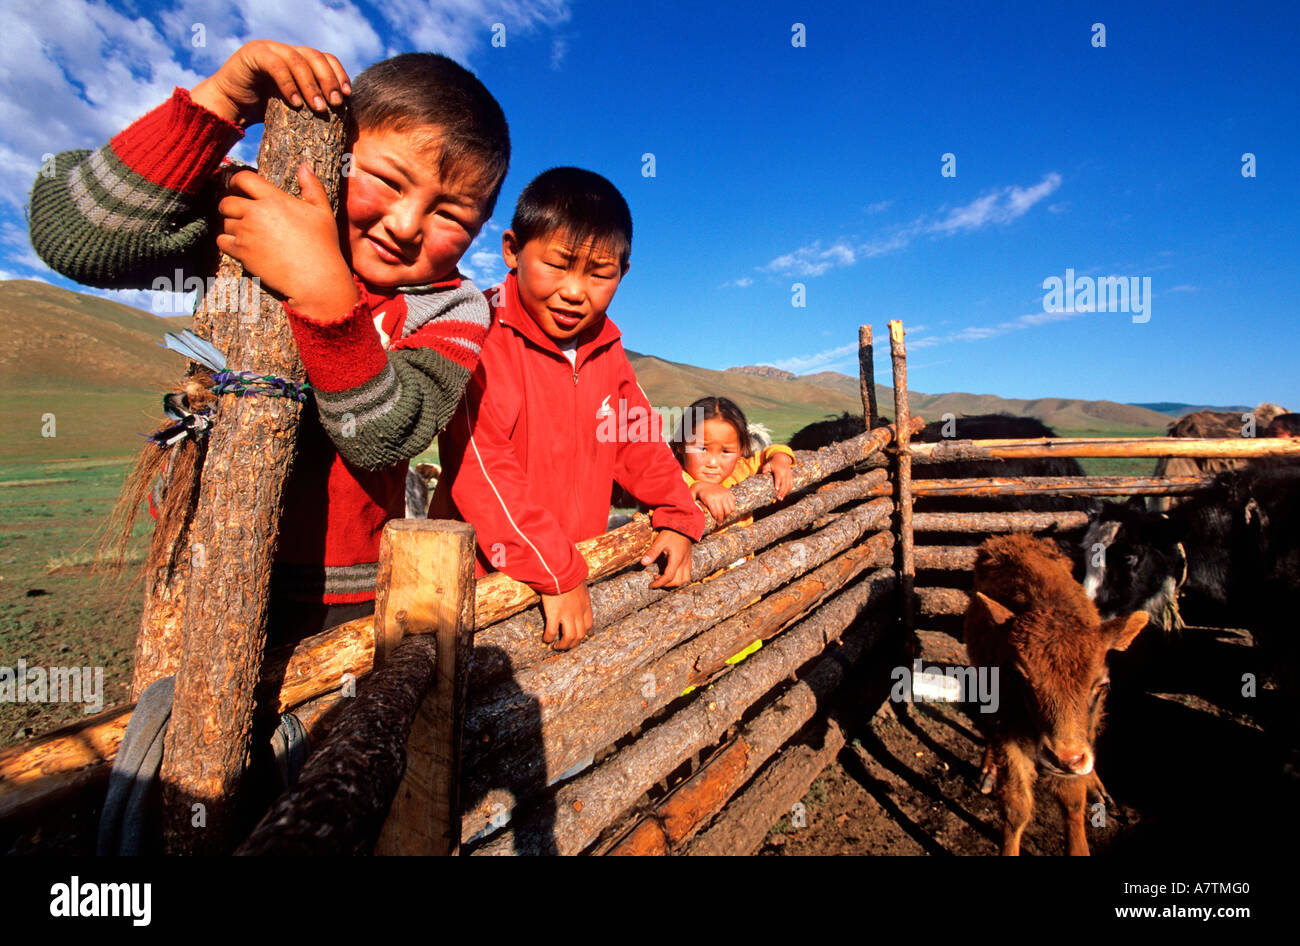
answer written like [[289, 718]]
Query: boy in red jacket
[[553, 415], [388, 329]]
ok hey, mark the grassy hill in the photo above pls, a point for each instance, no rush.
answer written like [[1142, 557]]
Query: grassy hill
[[787, 405], [94, 364], [97, 366]]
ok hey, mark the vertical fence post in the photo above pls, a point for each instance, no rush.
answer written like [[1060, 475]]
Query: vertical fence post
[[867, 377], [426, 586], [902, 423], [233, 535]]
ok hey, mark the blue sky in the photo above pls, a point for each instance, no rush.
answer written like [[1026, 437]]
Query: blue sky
[[820, 165]]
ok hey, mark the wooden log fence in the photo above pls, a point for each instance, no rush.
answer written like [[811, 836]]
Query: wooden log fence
[[588, 804], [638, 695], [467, 731]]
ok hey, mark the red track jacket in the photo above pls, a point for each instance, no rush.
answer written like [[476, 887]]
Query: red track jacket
[[531, 455]]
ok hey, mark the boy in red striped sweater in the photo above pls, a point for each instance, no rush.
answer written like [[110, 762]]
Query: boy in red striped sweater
[[388, 329]]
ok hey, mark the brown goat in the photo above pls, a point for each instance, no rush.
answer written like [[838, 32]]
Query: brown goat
[[1030, 619]]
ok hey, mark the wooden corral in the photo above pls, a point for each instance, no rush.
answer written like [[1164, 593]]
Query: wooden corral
[[445, 725]]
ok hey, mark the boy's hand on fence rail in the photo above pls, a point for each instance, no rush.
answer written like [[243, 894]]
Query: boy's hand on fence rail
[[779, 466], [568, 615], [239, 90], [718, 500], [675, 548]]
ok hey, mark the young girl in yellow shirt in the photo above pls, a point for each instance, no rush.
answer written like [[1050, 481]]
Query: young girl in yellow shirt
[[715, 449]]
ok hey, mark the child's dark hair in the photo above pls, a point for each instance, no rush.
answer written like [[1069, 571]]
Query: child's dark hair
[[417, 91], [580, 205], [711, 408]]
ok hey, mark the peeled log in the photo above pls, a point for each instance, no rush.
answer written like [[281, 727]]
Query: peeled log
[[741, 828], [998, 521], [1060, 486], [37, 774], [1013, 449], [250, 451]]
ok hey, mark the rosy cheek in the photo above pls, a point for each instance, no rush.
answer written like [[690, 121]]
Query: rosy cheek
[[365, 203]]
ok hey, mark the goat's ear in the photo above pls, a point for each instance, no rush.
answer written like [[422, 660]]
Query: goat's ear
[[1121, 631], [996, 612]]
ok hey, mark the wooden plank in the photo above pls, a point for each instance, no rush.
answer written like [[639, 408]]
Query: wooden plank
[[430, 591]]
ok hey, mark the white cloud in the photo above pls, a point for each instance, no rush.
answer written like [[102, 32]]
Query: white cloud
[[559, 48], [879, 206], [978, 333], [744, 282], [999, 206], [823, 359], [812, 260], [78, 71]]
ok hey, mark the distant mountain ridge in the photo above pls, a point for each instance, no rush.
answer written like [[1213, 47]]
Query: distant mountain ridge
[[765, 371], [1055, 412], [75, 344]]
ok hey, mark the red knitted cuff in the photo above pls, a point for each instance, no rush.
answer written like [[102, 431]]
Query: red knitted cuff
[[178, 145], [689, 523], [340, 355]]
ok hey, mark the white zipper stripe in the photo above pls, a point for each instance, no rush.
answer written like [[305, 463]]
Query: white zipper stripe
[[505, 508]]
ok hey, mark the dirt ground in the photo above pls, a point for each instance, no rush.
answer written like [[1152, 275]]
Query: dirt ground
[[1184, 756]]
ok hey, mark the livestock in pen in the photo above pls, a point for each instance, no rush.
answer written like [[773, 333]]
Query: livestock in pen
[[1216, 424], [1032, 621]]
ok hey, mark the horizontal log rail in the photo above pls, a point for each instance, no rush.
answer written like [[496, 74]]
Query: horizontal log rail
[[515, 644], [588, 804], [581, 732], [1059, 486], [60, 764], [948, 558], [1134, 447], [741, 827], [942, 602], [999, 522]]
